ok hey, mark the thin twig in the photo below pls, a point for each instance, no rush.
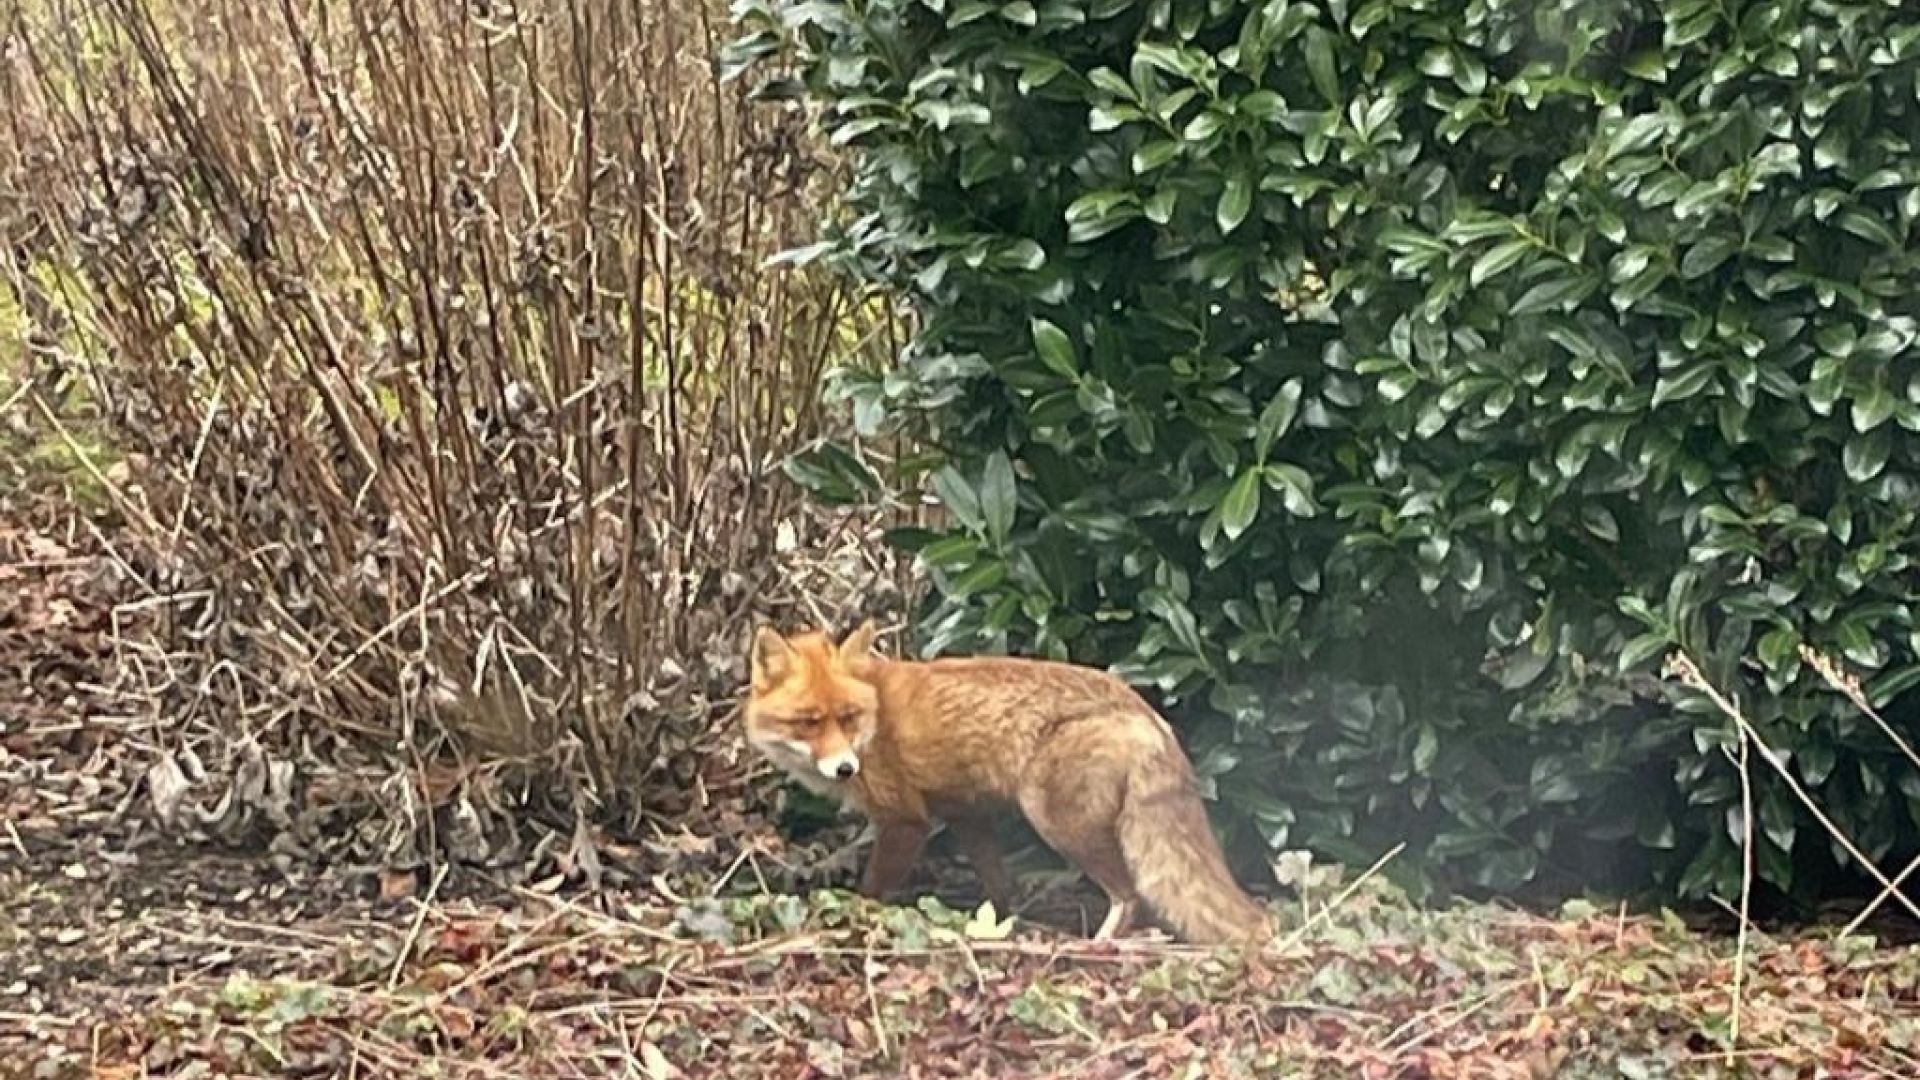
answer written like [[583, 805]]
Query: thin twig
[[1683, 665], [421, 907], [1338, 901], [1479, 1005], [873, 1006], [85, 459], [1849, 687], [1746, 898], [1853, 925], [193, 467]]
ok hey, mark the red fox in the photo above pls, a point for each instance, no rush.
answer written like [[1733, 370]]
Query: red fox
[[1095, 770]]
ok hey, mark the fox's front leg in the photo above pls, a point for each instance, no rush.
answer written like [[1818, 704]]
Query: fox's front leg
[[895, 850], [975, 837]]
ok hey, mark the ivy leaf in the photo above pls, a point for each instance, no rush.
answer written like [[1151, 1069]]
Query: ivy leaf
[[988, 924]]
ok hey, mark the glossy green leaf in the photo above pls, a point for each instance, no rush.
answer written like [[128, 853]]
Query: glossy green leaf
[[998, 497], [1277, 417], [1153, 155], [1295, 486], [1706, 256], [1054, 347], [1648, 64], [1241, 505], [1499, 259], [1642, 649], [1321, 66], [1865, 455], [1236, 200], [982, 577], [1554, 292], [960, 498]]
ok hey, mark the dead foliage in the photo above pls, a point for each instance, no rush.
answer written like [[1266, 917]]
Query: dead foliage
[[762, 985], [452, 383]]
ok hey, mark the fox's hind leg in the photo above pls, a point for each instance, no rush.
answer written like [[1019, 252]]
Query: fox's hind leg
[[1098, 856], [1077, 819], [1121, 915]]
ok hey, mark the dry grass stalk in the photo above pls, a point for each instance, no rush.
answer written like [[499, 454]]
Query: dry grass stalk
[[1848, 685], [1683, 666], [1746, 895]]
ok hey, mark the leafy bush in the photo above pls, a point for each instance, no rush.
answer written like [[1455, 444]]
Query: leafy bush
[[1391, 384]]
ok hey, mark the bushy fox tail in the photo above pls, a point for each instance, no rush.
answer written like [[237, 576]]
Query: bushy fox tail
[[1175, 861]]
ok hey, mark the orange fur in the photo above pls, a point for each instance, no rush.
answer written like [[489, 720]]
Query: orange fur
[[1096, 771]]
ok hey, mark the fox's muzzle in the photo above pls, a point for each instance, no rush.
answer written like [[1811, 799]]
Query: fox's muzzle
[[844, 765]]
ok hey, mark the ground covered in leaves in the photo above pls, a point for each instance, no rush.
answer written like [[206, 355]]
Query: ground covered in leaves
[[125, 952], [541, 985]]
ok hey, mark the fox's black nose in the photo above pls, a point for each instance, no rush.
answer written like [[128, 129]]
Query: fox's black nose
[[846, 770]]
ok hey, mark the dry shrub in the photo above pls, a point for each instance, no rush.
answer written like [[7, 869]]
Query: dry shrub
[[443, 342]]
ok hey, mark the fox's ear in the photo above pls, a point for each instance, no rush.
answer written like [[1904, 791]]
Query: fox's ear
[[856, 652], [772, 658]]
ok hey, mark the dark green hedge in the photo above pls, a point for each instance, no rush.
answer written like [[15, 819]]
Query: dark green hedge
[[1390, 384]]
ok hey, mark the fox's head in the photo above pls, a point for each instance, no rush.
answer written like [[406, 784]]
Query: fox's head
[[812, 709]]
